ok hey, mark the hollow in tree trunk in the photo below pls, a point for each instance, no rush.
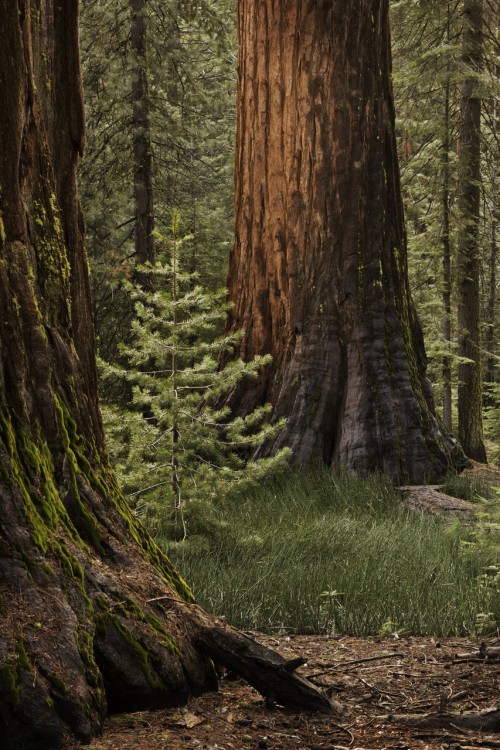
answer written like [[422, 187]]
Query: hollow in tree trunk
[[318, 273]]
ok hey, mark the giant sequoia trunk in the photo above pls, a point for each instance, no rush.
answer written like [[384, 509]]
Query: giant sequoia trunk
[[318, 273], [92, 614], [76, 631]]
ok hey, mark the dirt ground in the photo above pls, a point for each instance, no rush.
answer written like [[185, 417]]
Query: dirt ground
[[381, 683]]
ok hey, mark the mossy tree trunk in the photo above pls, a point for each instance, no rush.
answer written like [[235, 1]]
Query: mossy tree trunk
[[318, 273], [84, 621]]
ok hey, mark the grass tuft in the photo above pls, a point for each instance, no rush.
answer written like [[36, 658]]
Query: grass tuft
[[315, 552], [473, 489]]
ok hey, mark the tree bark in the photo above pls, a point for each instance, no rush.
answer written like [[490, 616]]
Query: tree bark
[[92, 614], [318, 273], [491, 337], [470, 425], [76, 633], [269, 673], [142, 151], [446, 242]]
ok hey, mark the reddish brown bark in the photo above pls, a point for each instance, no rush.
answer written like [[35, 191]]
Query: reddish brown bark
[[318, 273], [492, 108]]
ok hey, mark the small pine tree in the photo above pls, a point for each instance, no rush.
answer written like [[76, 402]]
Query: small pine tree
[[176, 447]]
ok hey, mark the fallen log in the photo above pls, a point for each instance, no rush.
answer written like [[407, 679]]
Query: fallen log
[[267, 671], [483, 654], [429, 499]]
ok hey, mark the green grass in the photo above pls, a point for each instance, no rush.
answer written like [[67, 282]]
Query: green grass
[[317, 552], [473, 489]]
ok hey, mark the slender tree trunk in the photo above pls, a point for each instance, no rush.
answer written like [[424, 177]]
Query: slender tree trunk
[[179, 521], [445, 150], [491, 338], [143, 178], [491, 330], [318, 273], [470, 426]]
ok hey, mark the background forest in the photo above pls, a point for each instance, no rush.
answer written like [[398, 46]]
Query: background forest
[[157, 189]]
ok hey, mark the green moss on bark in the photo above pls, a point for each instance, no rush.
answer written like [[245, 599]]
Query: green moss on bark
[[140, 650], [85, 645], [57, 683], [110, 489], [10, 689], [77, 464], [49, 244]]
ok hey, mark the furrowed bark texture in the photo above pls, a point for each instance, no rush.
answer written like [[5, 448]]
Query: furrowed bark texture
[[143, 180], [318, 273], [492, 107], [446, 372], [92, 615], [470, 424], [77, 630]]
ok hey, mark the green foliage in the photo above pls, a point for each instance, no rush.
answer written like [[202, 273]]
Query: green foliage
[[316, 552], [491, 413], [190, 68], [428, 71], [175, 446], [484, 541], [427, 110], [471, 488]]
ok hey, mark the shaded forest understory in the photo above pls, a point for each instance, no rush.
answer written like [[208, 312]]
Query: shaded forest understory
[[316, 356]]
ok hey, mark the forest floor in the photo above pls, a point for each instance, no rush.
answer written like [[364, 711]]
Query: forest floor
[[384, 685], [388, 687]]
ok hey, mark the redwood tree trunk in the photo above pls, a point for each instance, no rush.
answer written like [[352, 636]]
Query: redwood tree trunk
[[470, 424], [318, 273], [88, 615]]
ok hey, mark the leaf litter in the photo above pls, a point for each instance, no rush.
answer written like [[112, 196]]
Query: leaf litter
[[394, 693]]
